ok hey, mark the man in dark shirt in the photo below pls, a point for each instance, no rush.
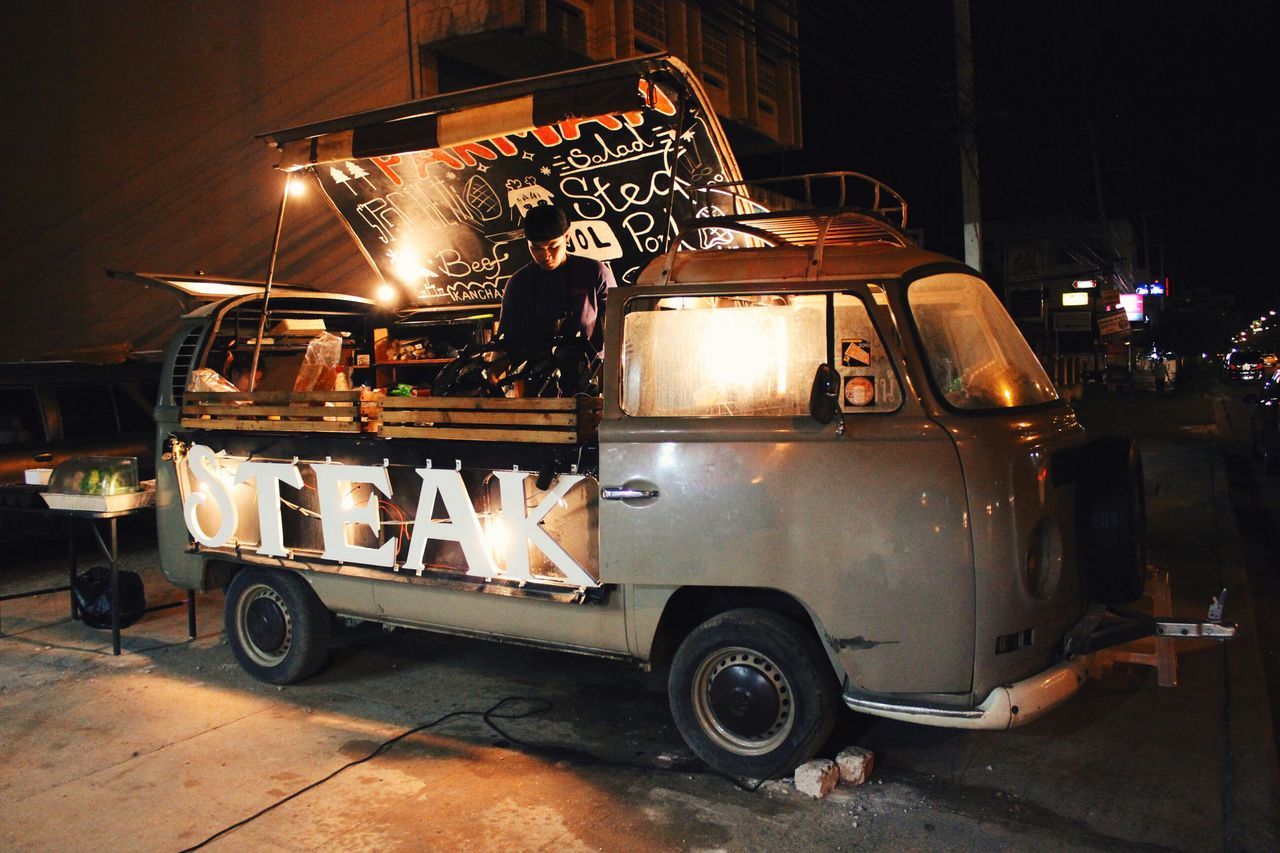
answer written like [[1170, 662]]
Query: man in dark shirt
[[556, 287]]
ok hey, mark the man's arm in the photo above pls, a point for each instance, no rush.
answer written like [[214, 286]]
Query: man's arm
[[515, 320], [604, 283]]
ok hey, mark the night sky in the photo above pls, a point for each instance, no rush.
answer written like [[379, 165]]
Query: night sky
[[1173, 95]]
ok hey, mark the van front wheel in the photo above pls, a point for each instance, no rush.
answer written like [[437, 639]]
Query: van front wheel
[[277, 628], [752, 693]]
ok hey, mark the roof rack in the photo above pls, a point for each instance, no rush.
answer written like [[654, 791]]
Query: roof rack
[[820, 214]]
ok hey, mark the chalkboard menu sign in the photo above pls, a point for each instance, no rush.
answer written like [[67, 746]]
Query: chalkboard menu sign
[[445, 224]]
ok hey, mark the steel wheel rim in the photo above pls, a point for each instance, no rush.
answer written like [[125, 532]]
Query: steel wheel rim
[[742, 660], [248, 615]]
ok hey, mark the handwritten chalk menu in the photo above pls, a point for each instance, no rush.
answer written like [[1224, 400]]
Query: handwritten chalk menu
[[446, 224]]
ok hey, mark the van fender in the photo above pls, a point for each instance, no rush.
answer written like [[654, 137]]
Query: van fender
[[660, 617]]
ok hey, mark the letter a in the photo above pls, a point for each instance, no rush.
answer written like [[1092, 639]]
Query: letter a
[[463, 526]]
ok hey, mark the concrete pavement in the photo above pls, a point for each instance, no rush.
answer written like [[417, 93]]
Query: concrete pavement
[[171, 743]]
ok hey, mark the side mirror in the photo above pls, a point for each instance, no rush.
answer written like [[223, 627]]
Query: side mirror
[[824, 396]]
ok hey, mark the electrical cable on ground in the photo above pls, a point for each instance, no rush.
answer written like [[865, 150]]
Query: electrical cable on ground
[[540, 706], [537, 706]]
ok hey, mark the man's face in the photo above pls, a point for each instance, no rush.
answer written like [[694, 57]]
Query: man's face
[[549, 254]]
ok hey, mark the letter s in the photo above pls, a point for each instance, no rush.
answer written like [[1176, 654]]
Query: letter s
[[587, 205], [203, 466]]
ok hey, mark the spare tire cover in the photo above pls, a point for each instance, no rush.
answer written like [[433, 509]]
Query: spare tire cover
[[1111, 517]]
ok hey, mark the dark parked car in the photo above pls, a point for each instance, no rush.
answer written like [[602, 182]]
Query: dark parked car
[[1243, 365], [1264, 423], [51, 411]]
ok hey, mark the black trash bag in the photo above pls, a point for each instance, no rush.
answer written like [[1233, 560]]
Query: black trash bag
[[92, 592]]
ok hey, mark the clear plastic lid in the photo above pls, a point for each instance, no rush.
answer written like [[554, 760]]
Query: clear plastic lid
[[95, 475]]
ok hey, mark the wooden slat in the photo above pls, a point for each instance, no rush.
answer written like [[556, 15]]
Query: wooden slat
[[277, 411], [564, 420], [490, 404], [342, 411], [270, 426], [462, 434], [531, 419], [217, 397]]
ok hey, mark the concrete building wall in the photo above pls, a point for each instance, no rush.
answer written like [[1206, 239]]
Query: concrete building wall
[[130, 144], [745, 54]]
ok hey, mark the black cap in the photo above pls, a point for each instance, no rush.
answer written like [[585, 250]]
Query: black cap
[[544, 222]]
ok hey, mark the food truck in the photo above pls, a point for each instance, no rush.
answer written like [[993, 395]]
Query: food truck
[[813, 465]]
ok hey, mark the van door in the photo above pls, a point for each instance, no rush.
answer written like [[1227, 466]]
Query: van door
[[713, 473]]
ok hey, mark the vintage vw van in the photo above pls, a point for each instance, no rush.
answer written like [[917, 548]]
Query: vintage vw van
[[822, 466]]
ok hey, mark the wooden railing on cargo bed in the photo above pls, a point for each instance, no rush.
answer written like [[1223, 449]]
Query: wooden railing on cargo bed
[[562, 420], [556, 420], [278, 411]]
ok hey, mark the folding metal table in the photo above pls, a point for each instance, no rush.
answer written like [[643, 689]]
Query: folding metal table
[[109, 547]]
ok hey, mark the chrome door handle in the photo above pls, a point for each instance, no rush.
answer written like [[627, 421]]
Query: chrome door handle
[[618, 493]]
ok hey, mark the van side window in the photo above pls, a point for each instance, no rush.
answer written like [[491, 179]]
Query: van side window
[[748, 355], [20, 420], [867, 380], [721, 355], [88, 411]]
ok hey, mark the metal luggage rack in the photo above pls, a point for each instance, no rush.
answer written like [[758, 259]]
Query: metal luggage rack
[[823, 213]]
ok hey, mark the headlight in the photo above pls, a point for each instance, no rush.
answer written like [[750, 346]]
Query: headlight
[[1043, 563]]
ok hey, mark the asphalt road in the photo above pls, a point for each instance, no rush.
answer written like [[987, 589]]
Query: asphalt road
[[171, 743]]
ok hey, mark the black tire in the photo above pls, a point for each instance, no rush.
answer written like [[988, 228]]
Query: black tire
[[752, 693], [276, 626], [1111, 514]]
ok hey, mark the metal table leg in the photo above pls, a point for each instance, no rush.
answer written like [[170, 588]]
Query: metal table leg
[[71, 565], [110, 553]]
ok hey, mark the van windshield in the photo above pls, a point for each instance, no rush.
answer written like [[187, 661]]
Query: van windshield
[[977, 357]]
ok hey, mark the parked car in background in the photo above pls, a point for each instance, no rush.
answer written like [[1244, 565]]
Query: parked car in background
[[51, 411], [1243, 365], [1264, 423]]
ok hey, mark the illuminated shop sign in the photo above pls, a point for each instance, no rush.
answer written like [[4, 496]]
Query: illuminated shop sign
[[1132, 304], [1072, 299]]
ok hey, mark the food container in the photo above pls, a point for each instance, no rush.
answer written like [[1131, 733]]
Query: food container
[[37, 476], [97, 484]]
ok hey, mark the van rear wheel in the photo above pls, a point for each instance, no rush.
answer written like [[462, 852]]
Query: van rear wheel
[[277, 627], [752, 693]]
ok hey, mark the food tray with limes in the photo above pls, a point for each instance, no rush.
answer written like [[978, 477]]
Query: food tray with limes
[[103, 503]]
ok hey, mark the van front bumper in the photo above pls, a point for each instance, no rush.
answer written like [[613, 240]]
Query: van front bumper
[[1005, 707], [1022, 701]]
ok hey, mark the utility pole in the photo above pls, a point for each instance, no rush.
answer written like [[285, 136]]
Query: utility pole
[[966, 106]]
